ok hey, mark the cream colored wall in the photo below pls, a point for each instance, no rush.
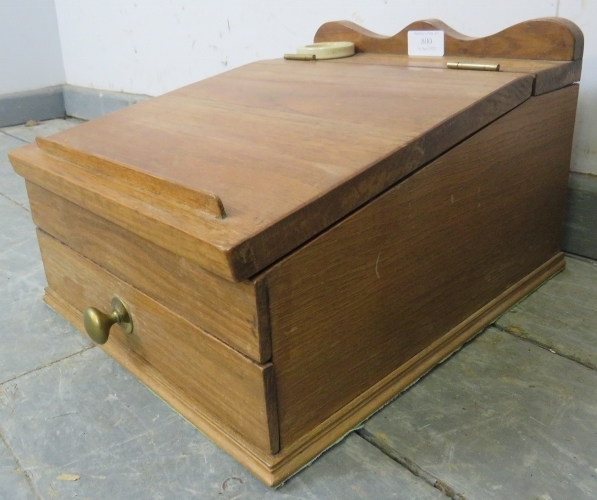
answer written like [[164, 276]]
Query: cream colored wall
[[30, 54], [153, 46], [584, 153]]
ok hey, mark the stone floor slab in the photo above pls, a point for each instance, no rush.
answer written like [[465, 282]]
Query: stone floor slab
[[86, 416], [8, 143], [562, 314], [12, 186], [43, 129], [18, 240], [502, 418], [14, 484], [31, 334]]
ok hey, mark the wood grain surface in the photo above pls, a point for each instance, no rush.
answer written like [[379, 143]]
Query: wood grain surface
[[274, 469], [550, 39], [291, 458], [228, 387], [232, 312], [549, 75], [369, 294], [288, 147], [254, 459]]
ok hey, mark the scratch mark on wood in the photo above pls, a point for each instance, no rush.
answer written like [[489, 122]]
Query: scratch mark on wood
[[376, 264]]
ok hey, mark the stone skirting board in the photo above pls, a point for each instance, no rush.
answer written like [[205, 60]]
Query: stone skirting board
[[87, 104], [41, 104], [62, 100], [580, 232]]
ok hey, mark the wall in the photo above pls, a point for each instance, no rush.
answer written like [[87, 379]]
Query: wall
[[584, 153], [30, 54], [153, 46]]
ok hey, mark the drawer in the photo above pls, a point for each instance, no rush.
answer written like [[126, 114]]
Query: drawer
[[234, 312], [225, 387]]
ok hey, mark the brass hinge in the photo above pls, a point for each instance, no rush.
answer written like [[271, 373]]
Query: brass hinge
[[474, 66]]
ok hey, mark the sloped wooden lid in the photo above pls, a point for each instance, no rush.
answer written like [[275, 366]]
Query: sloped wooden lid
[[238, 170]]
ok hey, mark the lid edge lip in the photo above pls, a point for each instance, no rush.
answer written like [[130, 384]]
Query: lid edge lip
[[134, 180]]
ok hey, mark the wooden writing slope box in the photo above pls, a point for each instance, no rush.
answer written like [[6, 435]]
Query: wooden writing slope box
[[297, 242]]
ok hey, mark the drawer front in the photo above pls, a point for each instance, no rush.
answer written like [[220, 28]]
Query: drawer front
[[227, 387], [236, 313]]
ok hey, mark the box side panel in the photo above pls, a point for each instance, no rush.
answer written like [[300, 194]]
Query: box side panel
[[363, 298], [225, 309], [222, 384]]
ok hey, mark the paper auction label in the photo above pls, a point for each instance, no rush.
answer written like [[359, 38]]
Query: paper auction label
[[426, 43]]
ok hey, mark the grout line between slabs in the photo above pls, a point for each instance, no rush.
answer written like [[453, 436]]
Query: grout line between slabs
[[546, 347], [582, 258], [14, 136], [46, 365], [410, 465], [25, 472], [15, 202]]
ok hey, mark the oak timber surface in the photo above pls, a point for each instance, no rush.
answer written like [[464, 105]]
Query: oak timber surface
[[350, 416], [548, 38], [288, 147], [230, 311], [354, 304], [231, 389]]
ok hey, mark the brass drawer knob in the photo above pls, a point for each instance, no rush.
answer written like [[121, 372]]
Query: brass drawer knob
[[98, 324]]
